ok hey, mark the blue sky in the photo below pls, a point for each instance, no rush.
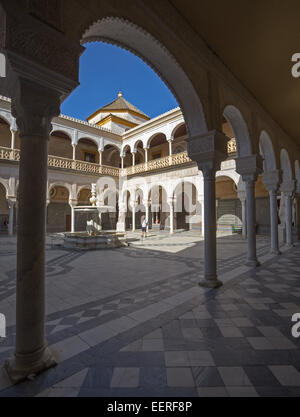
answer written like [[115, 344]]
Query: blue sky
[[106, 69]]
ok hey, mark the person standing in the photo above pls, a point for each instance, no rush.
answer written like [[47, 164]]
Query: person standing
[[144, 227]]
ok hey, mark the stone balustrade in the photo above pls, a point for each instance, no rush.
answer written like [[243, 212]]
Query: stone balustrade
[[96, 169], [65, 163]]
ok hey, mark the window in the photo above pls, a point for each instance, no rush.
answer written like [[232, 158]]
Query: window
[[156, 156], [90, 157]]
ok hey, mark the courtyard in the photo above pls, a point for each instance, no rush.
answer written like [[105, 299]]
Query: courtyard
[[134, 322]]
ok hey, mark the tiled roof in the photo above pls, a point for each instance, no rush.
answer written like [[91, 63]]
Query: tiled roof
[[121, 104]]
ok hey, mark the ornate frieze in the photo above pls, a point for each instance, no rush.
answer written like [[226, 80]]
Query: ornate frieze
[[30, 38]]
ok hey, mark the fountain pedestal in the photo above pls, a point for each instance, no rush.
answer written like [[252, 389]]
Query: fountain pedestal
[[104, 240]]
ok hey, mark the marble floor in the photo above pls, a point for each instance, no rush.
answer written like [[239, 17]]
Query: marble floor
[[133, 321]]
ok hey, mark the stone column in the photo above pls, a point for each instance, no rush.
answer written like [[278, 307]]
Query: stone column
[[271, 180], [242, 198], [287, 188], [122, 162], [209, 150], [249, 167], [73, 204], [288, 218], [13, 137], [146, 155], [74, 152], [170, 151], [122, 217], [202, 216], [12, 143], [146, 204], [40, 76], [274, 221], [11, 205], [171, 205], [133, 215], [100, 156], [210, 242], [34, 107], [251, 223], [133, 158]]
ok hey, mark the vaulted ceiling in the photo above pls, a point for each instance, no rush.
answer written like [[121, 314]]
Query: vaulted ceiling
[[256, 40]]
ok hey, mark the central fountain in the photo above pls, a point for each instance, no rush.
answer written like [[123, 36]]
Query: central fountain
[[94, 237]]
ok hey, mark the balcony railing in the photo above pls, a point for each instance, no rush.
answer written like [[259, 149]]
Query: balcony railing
[[95, 169], [65, 163], [155, 164]]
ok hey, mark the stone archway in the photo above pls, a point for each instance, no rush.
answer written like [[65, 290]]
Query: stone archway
[[128, 35]]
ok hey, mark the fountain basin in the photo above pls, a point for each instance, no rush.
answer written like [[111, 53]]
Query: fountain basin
[[103, 240]]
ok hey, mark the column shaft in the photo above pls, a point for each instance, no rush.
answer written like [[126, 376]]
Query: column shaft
[[274, 222], [133, 218], [288, 219], [171, 217], [244, 219], [251, 220], [210, 230], [13, 135], [11, 219], [72, 219]]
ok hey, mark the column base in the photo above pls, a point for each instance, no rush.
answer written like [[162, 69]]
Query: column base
[[253, 263], [275, 252], [210, 283], [22, 367], [121, 227]]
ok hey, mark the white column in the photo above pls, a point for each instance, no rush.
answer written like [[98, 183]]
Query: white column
[[13, 137], [122, 162], [73, 204], [133, 216], [170, 152], [146, 155], [170, 147], [11, 205], [133, 159], [274, 221], [288, 218], [100, 156], [171, 205], [146, 204], [74, 152], [34, 107], [251, 222]]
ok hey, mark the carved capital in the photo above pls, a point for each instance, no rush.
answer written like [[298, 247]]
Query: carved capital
[[11, 202], [34, 106], [249, 167], [73, 203], [271, 179], [208, 150], [287, 187]]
